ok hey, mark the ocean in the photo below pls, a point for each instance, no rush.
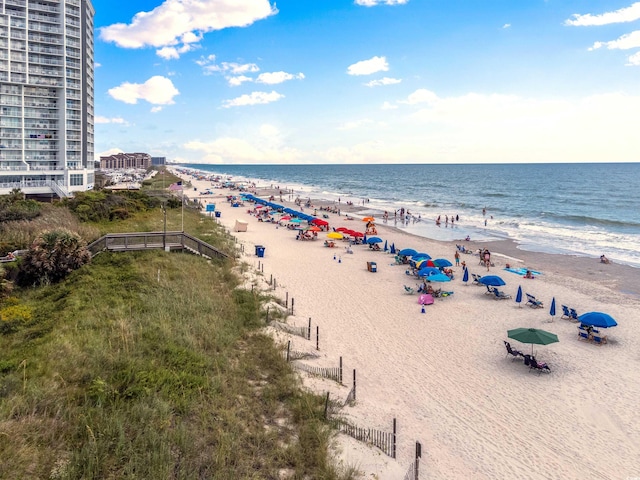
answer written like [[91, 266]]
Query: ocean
[[575, 209]]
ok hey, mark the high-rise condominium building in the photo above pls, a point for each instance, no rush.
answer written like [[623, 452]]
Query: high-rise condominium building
[[46, 96]]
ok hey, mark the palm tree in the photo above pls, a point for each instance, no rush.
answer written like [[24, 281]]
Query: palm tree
[[53, 256]]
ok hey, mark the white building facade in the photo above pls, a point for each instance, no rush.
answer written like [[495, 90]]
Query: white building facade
[[46, 96]]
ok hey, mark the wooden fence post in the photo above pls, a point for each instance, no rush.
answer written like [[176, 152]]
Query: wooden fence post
[[394, 439], [340, 370], [309, 330], [326, 405], [288, 349], [317, 337], [418, 457]]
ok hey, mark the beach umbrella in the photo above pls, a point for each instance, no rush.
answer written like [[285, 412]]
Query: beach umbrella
[[597, 319], [534, 336], [421, 256], [392, 250], [314, 228], [492, 281], [356, 234], [372, 240], [442, 262], [342, 229], [385, 246], [465, 277], [368, 219], [286, 217], [552, 310], [519, 296], [427, 271], [407, 252], [438, 277], [426, 299], [335, 235]]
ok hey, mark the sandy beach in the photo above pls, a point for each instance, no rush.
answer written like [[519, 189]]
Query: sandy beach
[[444, 374]]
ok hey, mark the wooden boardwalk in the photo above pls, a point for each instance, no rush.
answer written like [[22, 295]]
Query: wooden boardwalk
[[168, 241]]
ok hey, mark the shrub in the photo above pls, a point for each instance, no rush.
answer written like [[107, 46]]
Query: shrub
[[53, 256], [13, 316]]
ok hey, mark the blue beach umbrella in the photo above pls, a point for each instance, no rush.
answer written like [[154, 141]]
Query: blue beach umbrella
[[519, 296], [393, 249], [385, 246], [438, 277], [597, 319], [492, 281], [428, 271], [372, 240], [465, 277], [407, 252], [442, 262], [420, 256], [552, 310]]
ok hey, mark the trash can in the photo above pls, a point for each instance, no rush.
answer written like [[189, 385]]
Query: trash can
[[374, 267], [260, 251], [217, 214], [257, 247]]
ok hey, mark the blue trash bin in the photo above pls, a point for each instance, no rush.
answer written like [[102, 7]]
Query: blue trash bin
[[257, 247], [374, 267], [260, 251], [218, 214]]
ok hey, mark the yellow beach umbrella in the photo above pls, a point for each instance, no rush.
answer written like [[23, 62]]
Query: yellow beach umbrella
[[335, 235]]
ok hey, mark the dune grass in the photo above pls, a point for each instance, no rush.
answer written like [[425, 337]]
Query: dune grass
[[151, 365]]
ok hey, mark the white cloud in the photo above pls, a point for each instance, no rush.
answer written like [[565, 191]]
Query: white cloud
[[373, 3], [506, 25], [273, 78], [623, 15], [367, 67], [634, 60], [107, 153], [156, 109], [625, 42], [96, 65], [355, 124], [383, 81], [157, 90], [98, 119], [239, 80], [239, 150], [421, 95], [178, 23], [389, 106], [254, 98]]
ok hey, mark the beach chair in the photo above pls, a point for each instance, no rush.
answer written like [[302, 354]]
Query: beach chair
[[409, 290], [510, 351], [533, 302], [476, 279], [598, 339], [500, 295], [566, 314], [490, 290], [573, 315], [539, 366]]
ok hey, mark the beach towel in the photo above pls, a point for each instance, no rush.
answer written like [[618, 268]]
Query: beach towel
[[522, 271]]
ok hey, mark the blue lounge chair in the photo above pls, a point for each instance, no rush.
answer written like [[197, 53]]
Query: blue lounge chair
[[500, 295], [476, 279], [409, 290], [573, 315], [490, 290], [566, 314], [533, 302], [598, 339]]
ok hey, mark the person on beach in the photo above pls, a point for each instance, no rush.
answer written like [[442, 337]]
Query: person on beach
[[528, 274], [457, 257], [604, 259]]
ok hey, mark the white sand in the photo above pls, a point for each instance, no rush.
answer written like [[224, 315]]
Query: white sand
[[443, 374]]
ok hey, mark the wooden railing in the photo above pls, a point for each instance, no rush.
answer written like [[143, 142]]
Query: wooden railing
[[124, 242]]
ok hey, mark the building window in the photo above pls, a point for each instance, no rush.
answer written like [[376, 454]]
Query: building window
[[75, 179]]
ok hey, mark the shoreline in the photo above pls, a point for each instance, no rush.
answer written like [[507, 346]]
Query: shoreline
[[622, 278]]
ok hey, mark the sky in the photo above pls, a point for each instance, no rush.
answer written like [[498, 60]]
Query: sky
[[368, 81]]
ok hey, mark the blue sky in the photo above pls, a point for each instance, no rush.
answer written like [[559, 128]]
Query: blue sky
[[369, 81]]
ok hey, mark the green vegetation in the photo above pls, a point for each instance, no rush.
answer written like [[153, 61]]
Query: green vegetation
[[16, 207], [151, 365]]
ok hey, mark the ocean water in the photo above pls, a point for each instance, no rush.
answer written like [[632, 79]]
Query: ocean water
[[578, 209]]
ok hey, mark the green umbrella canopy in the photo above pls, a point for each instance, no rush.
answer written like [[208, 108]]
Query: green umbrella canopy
[[532, 336]]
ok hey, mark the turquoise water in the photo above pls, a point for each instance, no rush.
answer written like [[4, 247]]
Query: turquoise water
[[581, 209]]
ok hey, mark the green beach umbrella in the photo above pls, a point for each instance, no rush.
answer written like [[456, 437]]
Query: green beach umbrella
[[532, 336]]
